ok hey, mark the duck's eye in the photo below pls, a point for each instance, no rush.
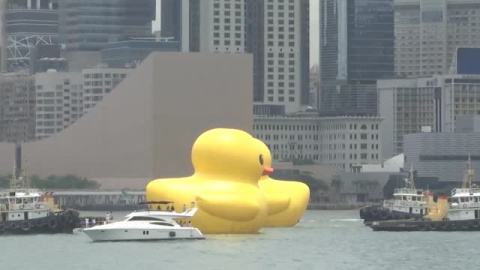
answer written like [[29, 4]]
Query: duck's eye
[[260, 158]]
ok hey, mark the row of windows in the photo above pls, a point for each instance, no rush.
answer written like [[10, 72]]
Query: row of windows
[[281, 99], [286, 127]]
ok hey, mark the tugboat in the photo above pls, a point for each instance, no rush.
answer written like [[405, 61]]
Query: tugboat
[[462, 213], [408, 202], [24, 211]]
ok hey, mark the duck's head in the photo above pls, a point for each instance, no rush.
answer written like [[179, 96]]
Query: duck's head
[[229, 154], [267, 156]]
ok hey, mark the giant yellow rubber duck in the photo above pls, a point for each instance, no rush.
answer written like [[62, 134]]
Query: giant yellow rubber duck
[[228, 164], [286, 200]]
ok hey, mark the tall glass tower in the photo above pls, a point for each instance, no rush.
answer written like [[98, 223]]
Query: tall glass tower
[[356, 49]]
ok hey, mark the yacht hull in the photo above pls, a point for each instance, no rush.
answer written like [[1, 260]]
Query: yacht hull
[[139, 234]]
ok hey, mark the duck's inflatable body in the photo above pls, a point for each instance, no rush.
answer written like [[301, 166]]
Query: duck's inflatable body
[[286, 200], [228, 164]]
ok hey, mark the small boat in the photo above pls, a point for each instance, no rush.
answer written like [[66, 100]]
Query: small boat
[[147, 225], [24, 210], [408, 202], [459, 213]]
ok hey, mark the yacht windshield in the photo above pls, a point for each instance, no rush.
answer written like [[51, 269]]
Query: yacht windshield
[[145, 218], [162, 224]]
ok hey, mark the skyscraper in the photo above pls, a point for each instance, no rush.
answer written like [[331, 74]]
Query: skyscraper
[[429, 31], [90, 24], [276, 32], [27, 24], [356, 49]]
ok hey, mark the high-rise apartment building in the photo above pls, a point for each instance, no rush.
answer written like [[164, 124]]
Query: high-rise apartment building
[[59, 101], [222, 26], [356, 49], [28, 23], [90, 24], [98, 82], [428, 32], [17, 108], [276, 32]]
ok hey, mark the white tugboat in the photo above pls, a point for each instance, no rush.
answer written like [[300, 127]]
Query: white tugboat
[[148, 225], [24, 210], [460, 213], [408, 202]]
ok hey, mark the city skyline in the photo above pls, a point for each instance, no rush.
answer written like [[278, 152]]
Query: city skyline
[[314, 29]]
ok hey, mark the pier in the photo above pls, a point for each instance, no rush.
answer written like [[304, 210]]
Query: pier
[[92, 200]]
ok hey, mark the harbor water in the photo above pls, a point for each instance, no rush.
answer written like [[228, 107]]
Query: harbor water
[[322, 240]]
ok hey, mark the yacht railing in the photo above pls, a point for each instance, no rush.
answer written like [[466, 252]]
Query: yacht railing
[[465, 190]]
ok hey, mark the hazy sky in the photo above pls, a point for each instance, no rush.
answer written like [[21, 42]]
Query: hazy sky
[[314, 29]]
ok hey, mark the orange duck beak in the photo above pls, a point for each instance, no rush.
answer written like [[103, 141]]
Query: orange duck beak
[[267, 170]]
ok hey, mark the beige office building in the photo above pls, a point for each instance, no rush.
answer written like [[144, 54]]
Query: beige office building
[[146, 127], [17, 108], [428, 32], [59, 101]]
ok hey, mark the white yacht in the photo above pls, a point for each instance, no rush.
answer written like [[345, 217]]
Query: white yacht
[[147, 225]]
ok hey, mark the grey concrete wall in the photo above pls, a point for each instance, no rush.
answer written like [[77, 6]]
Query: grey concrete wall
[[194, 93], [146, 127], [442, 155]]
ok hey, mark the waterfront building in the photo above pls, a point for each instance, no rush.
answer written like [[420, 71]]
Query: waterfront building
[[433, 103], [98, 82], [275, 32], [89, 25], [59, 101], [356, 49], [344, 142], [428, 32], [443, 156], [17, 108], [27, 24]]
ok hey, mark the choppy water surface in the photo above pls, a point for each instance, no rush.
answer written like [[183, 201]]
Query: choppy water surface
[[323, 240]]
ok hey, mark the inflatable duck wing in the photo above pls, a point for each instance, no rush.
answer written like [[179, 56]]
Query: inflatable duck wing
[[229, 206], [276, 204], [286, 200]]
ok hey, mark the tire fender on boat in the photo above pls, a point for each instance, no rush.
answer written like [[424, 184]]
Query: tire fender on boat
[[25, 226], [13, 226], [52, 223], [62, 219], [172, 234]]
